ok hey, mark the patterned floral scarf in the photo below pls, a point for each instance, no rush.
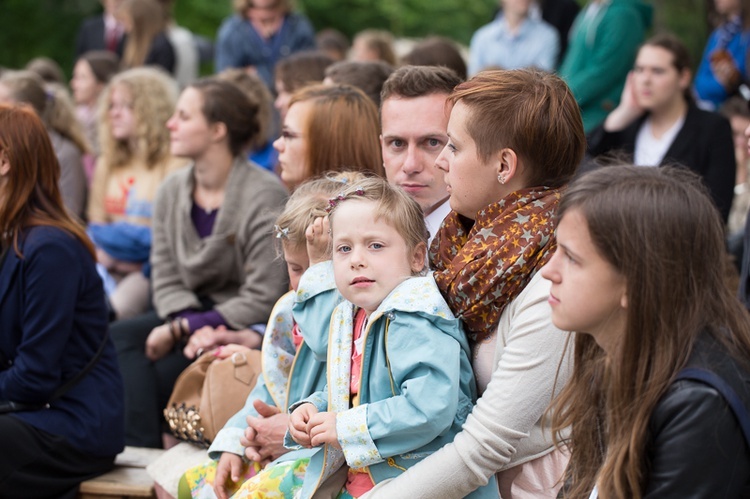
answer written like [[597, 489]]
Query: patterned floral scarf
[[482, 268]]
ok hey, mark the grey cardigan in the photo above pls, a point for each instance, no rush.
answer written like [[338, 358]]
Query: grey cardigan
[[236, 266]]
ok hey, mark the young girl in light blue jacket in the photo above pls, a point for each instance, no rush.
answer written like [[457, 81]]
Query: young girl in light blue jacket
[[289, 368], [400, 382]]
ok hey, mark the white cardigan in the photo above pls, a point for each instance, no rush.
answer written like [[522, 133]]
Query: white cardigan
[[504, 429]]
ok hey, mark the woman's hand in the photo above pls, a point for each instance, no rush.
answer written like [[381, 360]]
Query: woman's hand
[[725, 70], [264, 436], [318, 236], [228, 468], [322, 429], [207, 337], [298, 424], [159, 342], [627, 111], [114, 265]]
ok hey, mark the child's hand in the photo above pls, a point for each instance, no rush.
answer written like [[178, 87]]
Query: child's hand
[[322, 429], [228, 468], [318, 235], [298, 424]]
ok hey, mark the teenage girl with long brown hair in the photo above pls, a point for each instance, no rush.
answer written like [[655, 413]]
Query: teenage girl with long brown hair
[[638, 276]]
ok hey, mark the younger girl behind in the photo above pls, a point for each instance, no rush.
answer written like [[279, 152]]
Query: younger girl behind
[[400, 383], [638, 276], [290, 372]]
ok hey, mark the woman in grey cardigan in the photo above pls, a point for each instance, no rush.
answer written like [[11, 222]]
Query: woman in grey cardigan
[[213, 262]]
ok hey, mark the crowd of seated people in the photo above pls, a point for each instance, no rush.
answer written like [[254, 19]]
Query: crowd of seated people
[[501, 270]]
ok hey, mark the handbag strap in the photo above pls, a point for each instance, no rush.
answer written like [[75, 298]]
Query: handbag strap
[[11, 406], [82, 373]]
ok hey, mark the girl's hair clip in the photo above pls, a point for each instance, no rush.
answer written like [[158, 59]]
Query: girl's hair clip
[[340, 180], [341, 197], [281, 232]]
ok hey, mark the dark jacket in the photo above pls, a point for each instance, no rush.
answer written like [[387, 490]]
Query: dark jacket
[[161, 53], [91, 37], [704, 144], [53, 319], [697, 448]]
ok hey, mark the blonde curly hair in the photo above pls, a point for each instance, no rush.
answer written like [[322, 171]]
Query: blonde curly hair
[[154, 96]]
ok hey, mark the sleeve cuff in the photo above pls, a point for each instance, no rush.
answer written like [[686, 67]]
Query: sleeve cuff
[[317, 399], [354, 437], [227, 440], [316, 279]]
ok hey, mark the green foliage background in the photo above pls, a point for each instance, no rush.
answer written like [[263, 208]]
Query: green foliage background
[[30, 28]]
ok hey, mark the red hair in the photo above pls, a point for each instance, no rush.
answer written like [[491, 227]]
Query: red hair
[[31, 196]]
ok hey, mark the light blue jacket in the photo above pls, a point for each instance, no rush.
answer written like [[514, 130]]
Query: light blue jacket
[[288, 375], [416, 387]]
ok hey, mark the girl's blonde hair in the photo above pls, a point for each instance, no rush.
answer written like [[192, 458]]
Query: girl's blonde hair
[[308, 202], [154, 95], [394, 206]]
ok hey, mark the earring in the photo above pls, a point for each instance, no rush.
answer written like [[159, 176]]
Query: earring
[[501, 179]]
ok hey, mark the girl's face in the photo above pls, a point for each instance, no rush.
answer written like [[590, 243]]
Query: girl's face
[[471, 183], [588, 295], [121, 117], [727, 7], [370, 258], [656, 79], [190, 135], [361, 51], [292, 145], [296, 263], [85, 86]]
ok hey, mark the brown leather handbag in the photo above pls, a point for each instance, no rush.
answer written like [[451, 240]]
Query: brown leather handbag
[[209, 392]]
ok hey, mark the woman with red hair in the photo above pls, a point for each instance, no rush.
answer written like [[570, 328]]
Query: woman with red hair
[[61, 397]]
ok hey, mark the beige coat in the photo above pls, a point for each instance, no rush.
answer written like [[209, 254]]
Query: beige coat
[[236, 266]]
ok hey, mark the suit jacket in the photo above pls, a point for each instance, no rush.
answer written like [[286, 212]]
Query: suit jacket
[[704, 144], [91, 37], [53, 319]]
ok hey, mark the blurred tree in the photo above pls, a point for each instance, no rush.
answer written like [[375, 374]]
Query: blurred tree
[[31, 28]]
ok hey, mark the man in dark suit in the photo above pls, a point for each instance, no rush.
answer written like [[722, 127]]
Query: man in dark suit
[[102, 32]]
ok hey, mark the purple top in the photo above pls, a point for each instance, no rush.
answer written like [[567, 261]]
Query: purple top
[[204, 224]]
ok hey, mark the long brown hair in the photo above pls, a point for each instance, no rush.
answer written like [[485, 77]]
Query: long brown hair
[[147, 21], [51, 102], [342, 131], [660, 229], [31, 196]]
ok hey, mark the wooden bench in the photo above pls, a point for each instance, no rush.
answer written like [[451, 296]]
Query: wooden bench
[[127, 480]]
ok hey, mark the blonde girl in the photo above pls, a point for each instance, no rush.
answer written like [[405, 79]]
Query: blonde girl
[[290, 371], [134, 160], [400, 383]]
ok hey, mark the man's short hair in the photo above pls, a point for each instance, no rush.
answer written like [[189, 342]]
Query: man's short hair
[[418, 81]]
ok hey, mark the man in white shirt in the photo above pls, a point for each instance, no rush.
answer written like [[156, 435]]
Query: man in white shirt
[[414, 121]]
